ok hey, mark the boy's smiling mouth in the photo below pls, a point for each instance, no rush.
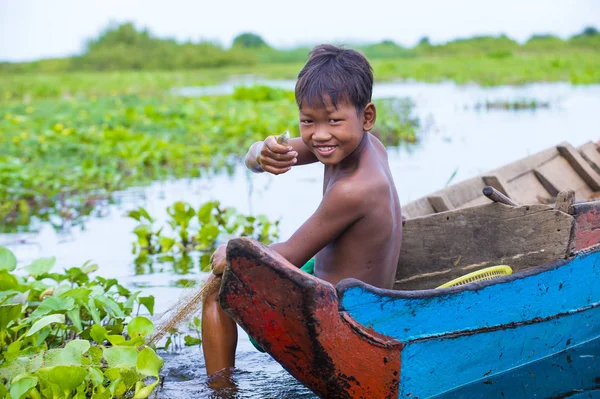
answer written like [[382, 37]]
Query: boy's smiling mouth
[[325, 149]]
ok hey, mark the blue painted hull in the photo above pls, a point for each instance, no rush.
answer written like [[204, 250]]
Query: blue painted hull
[[573, 373], [456, 337]]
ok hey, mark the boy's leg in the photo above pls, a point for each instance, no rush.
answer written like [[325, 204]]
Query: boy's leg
[[219, 335]]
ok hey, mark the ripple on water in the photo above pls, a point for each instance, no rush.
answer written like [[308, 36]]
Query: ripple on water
[[185, 377]]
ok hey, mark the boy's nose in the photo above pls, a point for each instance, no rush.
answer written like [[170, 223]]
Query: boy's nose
[[321, 134]]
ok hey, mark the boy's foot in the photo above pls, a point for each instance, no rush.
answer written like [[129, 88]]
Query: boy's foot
[[223, 383]]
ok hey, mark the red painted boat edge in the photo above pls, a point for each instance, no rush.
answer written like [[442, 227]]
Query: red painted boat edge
[[295, 317]]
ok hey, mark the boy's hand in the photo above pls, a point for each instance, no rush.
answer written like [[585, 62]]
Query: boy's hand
[[218, 260], [276, 158]]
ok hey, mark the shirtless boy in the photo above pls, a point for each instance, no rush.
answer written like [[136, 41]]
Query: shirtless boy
[[357, 228]]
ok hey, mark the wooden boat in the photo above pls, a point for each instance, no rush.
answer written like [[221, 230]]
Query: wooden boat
[[535, 179], [357, 341]]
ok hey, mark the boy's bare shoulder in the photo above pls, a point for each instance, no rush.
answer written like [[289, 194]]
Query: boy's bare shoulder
[[359, 189], [347, 192]]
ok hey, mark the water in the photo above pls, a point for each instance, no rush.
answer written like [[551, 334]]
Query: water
[[455, 137]]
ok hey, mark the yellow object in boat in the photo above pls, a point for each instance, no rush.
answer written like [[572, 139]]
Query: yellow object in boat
[[489, 273]]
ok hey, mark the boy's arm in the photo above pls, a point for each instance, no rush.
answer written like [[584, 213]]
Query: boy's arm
[[270, 156], [341, 207]]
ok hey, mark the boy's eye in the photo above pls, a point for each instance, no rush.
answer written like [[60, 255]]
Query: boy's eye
[[334, 120], [305, 121]]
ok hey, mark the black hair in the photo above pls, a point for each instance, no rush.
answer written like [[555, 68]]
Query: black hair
[[342, 74]]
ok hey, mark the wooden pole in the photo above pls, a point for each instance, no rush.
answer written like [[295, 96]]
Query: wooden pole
[[497, 196]]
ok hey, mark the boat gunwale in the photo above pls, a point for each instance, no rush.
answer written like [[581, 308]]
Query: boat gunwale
[[350, 283]]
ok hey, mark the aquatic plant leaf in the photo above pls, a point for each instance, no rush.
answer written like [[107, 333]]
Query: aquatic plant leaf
[[65, 378], [144, 392], [124, 378], [96, 376], [40, 266], [8, 281], [75, 317], [205, 211], [8, 261], [10, 370], [45, 321], [148, 302], [191, 341], [93, 311], [6, 295], [139, 214], [149, 363], [110, 306], [79, 294], [98, 333], [9, 313], [88, 267], [22, 386], [52, 304], [70, 355], [165, 243], [12, 352], [116, 339], [140, 326], [121, 356], [95, 355]]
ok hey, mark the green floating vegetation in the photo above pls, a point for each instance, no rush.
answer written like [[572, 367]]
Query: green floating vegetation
[[60, 159], [194, 231], [514, 105], [63, 335]]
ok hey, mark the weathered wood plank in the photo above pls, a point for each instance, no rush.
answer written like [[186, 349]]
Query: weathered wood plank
[[565, 200], [417, 208], [480, 200], [440, 247], [514, 170], [440, 203], [559, 175], [527, 189], [589, 152], [580, 165], [464, 192], [547, 184]]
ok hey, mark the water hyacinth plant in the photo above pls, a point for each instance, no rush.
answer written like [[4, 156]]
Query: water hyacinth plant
[[65, 335], [196, 231], [61, 159]]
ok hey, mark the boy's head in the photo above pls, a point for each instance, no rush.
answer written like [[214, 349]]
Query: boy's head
[[333, 93], [337, 73]]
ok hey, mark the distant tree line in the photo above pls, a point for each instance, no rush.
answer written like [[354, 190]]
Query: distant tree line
[[124, 47]]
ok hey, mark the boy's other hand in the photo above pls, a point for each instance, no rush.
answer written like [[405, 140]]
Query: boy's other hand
[[218, 260], [276, 158]]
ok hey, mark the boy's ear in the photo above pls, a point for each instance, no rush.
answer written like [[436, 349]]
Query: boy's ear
[[369, 117]]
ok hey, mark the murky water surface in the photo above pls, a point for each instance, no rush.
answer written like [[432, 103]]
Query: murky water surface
[[456, 137]]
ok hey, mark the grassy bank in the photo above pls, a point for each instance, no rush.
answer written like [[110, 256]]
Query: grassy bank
[[577, 68]]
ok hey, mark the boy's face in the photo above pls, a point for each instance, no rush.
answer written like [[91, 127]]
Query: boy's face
[[333, 133]]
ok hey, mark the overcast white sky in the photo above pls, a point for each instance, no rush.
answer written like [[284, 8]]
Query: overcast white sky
[[31, 29]]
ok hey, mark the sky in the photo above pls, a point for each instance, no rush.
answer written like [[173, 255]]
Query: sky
[[33, 29]]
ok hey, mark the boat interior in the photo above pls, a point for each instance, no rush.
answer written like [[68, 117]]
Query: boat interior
[[460, 230]]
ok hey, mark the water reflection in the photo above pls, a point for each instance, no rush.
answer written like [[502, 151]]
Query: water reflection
[[180, 264]]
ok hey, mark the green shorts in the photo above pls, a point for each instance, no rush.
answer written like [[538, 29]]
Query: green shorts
[[309, 267]]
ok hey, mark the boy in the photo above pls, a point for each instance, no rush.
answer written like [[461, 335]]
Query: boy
[[357, 228]]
